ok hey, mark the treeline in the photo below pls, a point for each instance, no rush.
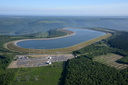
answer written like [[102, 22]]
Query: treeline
[[120, 41], [84, 71], [97, 49], [123, 60], [6, 75], [4, 60], [55, 33], [6, 38], [49, 34], [94, 50], [36, 35]]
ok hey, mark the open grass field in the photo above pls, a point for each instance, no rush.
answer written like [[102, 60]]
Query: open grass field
[[13, 47], [46, 75], [110, 60]]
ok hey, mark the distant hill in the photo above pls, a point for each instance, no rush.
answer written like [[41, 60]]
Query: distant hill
[[28, 24]]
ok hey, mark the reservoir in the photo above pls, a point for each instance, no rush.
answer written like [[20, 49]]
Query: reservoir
[[81, 35]]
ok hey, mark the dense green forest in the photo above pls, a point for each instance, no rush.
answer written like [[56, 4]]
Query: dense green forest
[[84, 71], [123, 60], [55, 33], [120, 41], [6, 75]]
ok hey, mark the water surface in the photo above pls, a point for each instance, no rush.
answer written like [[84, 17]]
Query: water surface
[[81, 35]]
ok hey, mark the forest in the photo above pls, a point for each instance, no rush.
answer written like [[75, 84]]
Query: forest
[[55, 33], [120, 41], [84, 71], [48, 34], [6, 75]]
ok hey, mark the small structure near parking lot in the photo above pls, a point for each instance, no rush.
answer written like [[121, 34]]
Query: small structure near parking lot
[[22, 61]]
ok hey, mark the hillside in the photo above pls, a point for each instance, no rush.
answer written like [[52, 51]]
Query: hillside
[[17, 25]]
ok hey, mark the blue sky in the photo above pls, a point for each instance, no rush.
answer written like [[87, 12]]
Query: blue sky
[[64, 7]]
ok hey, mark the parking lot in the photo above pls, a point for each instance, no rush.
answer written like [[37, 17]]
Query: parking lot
[[21, 61]]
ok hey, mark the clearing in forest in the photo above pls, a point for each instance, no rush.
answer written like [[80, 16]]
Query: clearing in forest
[[110, 60]]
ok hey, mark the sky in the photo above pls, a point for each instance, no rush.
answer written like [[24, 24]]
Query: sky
[[64, 7]]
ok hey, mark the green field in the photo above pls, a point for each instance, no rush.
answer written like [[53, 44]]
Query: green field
[[47, 75]]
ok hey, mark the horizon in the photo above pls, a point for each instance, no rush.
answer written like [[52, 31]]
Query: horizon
[[58, 16], [64, 8]]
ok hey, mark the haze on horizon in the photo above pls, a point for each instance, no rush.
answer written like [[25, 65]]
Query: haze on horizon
[[64, 7]]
